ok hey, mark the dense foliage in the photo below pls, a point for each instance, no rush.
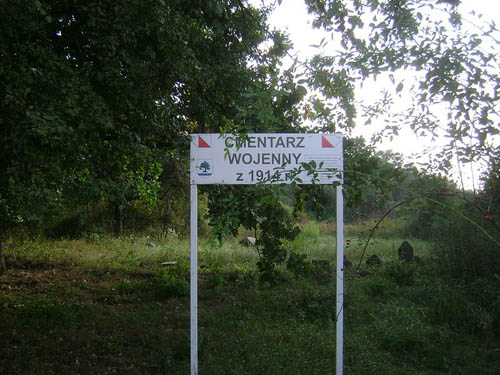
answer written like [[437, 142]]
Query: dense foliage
[[447, 69], [97, 99]]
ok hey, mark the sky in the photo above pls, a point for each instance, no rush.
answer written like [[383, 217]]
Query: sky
[[292, 17]]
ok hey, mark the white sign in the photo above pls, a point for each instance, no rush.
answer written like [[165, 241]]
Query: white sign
[[266, 158]]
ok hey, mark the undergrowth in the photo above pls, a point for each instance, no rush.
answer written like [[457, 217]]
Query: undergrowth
[[109, 306]]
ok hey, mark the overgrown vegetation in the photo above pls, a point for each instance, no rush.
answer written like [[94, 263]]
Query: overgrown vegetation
[[107, 306]]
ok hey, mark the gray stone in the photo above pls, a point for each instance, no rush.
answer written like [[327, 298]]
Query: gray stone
[[169, 264], [247, 241], [405, 252]]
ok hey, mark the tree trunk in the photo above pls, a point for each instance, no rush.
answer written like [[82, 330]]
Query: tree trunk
[[118, 221], [3, 266]]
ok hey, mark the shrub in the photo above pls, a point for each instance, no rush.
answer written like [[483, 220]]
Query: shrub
[[298, 265], [71, 227], [466, 252], [167, 285]]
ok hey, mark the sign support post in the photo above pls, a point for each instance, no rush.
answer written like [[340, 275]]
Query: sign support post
[[194, 279], [340, 282]]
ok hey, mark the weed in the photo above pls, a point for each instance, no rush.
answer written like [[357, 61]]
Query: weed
[[127, 287], [213, 280], [298, 265], [401, 273], [167, 285], [321, 271]]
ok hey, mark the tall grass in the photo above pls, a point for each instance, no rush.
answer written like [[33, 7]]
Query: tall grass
[[101, 251], [318, 240], [106, 251]]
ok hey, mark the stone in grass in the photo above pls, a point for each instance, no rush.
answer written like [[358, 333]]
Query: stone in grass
[[150, 244], [247, 241], [168, 264], [405, 252], [373, 260]]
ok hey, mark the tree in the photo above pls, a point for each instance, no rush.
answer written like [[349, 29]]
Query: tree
[[93, 95], [448, 70], [205, 166]]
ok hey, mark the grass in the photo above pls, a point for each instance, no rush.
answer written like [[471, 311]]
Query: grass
[[107, 306]]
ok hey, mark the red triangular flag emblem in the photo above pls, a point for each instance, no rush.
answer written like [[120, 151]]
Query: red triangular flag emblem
[[325, 143], [202, 143]]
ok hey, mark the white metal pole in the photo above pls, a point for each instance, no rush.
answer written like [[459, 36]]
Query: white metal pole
[[194, 279], [340, 281]]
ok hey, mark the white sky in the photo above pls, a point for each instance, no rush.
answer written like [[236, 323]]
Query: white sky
[[292, 17]]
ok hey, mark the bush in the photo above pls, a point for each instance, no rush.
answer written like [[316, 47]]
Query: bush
[[167, 285], [464, 228], [465, 252], [298, 265], [72, 227]]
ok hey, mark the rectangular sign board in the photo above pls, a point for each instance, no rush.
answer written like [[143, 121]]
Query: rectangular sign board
[[266, 158]]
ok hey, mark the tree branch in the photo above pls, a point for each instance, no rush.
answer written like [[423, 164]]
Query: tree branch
[[373, 231]]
